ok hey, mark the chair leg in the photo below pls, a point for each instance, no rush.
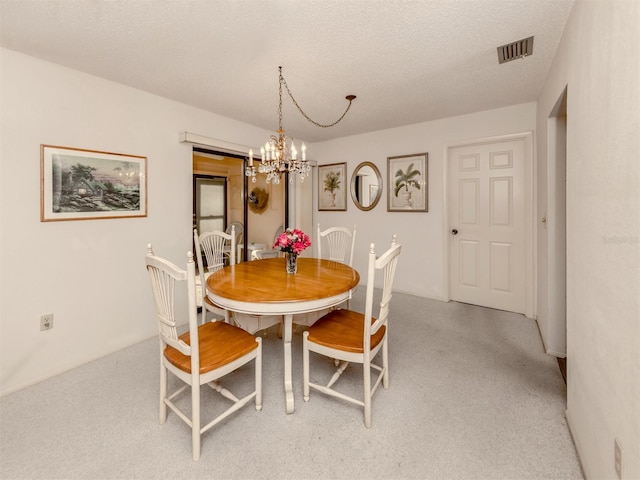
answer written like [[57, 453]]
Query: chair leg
[[305, 365], [195, 417], [258, 368], [385, 363], [366, 367], [163, 391]]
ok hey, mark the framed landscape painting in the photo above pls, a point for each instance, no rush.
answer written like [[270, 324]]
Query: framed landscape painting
[[408, 183], [78, 184], [332, 189]]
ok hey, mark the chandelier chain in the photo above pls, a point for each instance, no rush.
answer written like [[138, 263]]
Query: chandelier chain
[[278, 157], [282, 80], [280, 102]]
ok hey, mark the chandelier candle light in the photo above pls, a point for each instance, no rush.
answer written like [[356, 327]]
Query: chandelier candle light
[[279, 154], [292, 242]]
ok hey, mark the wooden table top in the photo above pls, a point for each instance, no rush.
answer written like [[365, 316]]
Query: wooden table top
[[266, 281]]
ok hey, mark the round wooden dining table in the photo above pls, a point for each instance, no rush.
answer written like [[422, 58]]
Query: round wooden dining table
[[263, 287]]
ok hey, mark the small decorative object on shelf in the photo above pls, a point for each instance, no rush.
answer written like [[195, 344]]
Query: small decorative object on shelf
[[292, 242]]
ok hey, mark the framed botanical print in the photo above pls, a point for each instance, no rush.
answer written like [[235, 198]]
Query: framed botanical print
[[408, 183], [77, 184], [332, 188]]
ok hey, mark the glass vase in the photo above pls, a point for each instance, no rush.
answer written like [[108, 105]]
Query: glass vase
[[291, 262]]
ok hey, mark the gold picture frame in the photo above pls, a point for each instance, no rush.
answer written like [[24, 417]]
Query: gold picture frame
[[332, 187], [81, 184], [408, 183]]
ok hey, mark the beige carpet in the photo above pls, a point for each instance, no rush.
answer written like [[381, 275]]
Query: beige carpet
[[472, 396]]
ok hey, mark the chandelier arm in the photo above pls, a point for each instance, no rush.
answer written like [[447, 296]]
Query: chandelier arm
[[349, 98]]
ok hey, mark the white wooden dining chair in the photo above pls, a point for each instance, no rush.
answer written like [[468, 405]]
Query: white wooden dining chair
[[341, 244], [211, 247], [354, 337], [202, 355], [238, 229]]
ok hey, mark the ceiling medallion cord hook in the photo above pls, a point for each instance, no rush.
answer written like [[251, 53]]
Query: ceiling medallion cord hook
[[278, 157]]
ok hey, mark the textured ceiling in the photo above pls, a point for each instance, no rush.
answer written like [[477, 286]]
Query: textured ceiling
[[407, 61]]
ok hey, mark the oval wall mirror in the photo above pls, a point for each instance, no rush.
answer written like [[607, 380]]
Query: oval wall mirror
[[366, 186]]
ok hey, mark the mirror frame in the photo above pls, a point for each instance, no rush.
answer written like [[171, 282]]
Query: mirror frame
[[353, 186]]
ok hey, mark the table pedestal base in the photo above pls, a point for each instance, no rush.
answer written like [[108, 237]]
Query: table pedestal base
[[319, 285]]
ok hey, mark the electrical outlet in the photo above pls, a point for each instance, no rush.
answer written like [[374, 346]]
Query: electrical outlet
[[46, 321], [618, 457]]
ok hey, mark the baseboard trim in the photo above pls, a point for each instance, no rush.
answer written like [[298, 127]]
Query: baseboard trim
[[71, 365]]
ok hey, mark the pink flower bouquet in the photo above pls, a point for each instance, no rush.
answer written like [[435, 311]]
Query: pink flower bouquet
[[292, 241]]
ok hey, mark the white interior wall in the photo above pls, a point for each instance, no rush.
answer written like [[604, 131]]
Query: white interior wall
[[90, 274], [75, 269], [420, 270], [598, 62], [263, 226], [81, 265], [301, 210]]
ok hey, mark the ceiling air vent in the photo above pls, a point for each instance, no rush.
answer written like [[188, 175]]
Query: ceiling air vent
[[512, 51]]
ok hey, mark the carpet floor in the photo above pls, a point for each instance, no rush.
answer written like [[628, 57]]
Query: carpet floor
[[472, 396]]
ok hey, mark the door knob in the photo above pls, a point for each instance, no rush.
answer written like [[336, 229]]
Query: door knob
[[454, 232]]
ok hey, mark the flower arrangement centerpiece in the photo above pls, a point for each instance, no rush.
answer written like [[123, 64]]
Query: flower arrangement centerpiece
[[292, 242]]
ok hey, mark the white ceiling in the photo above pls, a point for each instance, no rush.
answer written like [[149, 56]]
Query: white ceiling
[[408, 61]]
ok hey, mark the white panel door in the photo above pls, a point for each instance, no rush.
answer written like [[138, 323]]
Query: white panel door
[[487, 224]]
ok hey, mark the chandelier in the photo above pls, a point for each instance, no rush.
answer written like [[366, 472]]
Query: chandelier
[[279, 154]]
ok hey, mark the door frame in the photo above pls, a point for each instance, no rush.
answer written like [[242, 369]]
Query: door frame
[[553, 313], [217, 146], [530, 206]]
